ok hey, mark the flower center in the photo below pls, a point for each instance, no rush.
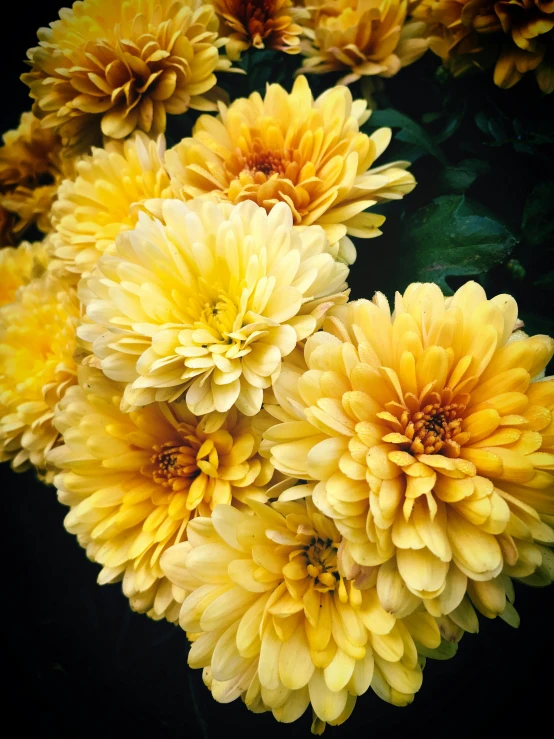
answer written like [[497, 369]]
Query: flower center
[[173, 465], [429, 424], [255, 12], [266, 162], [219, 315], [321, 564], [176, 464], [433, 426]]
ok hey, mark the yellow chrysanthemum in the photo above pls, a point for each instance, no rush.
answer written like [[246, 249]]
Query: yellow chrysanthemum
[[273, 621], [430, 435], [362, 38], [37, 365], [103, 199], [291, 148], [31, 168], [516, 36], [133, 480], [18, 266], [264, 24], [208, 302], [111, 67]]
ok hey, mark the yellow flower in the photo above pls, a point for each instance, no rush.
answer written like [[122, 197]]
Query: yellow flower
[[264, 24], [362, 38], [133, 480], [208, 303], [37, 365], [18, 266], [273, 621], [516, 36], [115, 66], [430, 433], [31, 168], [291, 148], [103, 199]]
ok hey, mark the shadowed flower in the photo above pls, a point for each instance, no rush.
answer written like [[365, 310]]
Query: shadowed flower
[[133, 481], [291, 148], [264, 24], [37, 344], [111, 67], [208, 302], [430, 433], [273, 621], [31, 168], [516, 36], [103, 200], [362, 38], [18, 266]]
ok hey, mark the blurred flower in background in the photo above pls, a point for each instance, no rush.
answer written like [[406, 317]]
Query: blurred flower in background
[[515, 36]]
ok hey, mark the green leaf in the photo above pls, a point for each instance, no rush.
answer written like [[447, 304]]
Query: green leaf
[[446, 650], [545, 281], [538, 215], [493, 123], [461, 177], [453, 237], [410, 132]]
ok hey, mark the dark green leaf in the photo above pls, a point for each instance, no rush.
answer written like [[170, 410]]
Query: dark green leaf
[[461, 177], [546, 281], [534, 324], [493, 124], [538, 215], [453, 237], [410, 132]]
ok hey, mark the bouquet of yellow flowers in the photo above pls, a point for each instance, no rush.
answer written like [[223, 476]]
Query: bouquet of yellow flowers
[[322, 488]]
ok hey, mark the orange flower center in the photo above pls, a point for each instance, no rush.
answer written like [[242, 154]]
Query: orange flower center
[[254, 15], [266, 162], [432, 427], [174, 466], [429, 424]]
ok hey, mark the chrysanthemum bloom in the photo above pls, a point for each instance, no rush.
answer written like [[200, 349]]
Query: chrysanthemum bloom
[[264, 24], [103, 200], [133, 480], [112, 66], [273, 621], [37, 365], [31, 168], [514, 35], [18, 266], [431, 437], [208, 301], [291, 148], [362, 38]]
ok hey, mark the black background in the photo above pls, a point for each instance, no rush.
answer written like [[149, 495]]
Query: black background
[[79, 663]]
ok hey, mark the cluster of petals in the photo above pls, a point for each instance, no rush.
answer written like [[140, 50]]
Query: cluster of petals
[[110, 67], [133, 480], [103, 199], [32, 165], [18, 266], [288, 147], [273, 621], [361, 38], [427, 434], [206, 302], [37, 366], [269, 24], [514, 36]]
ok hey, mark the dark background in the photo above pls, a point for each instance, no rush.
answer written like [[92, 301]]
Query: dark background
[[80, 663]]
